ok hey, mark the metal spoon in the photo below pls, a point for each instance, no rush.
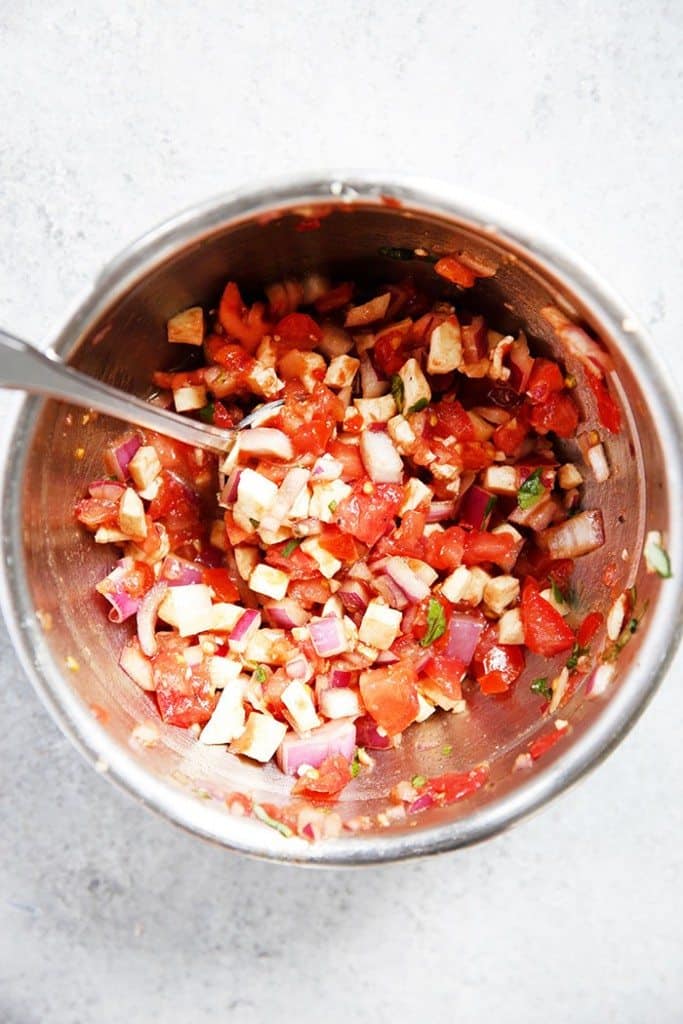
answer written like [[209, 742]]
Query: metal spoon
[[24, 368]]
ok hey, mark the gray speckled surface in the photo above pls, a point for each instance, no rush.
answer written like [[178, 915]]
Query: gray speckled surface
[[113, 117]]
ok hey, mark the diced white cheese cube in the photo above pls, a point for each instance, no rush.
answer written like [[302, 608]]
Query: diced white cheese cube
[[444, 471], [351, 631], [380, 625], [333, 606], [416, 389], [500, 592], [246, 559], [501, 480], [425, 709], [262, 735], [341, 371], [223, 671], [264, 381], [186, 327], [376, 410], [188, 608], [274, 536], [555, 602], [298, 700], [105, 535], [401, 433], [227, 721], [340, 702], [327, 563], [415, 494], [510, 628], [132, 515], [465, 586], [569, 477], [325, 495], [271, 582], [421, 569], [441, 699], [193, 655], [224, 617], [267, 353], [188, 398], [145, 466], [445, 348], [301, 507], [255, 495]]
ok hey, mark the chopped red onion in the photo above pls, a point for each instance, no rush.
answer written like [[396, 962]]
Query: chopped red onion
[[369, 736], [372, 386], [354, 595], [247, 625], [521, 363], [113, 588], [337, 737], [414, 588], [387, 588], [424, 801], [439, 511], [147, 618], [135, 664], [464, 632], [386, 658], [599, 680], [326, 468], [360, 571], [288, 491], [286, 613], [577, 536], [229, 492], [328, 636], [266, 441], [539, 516], [178, 572], [383, 463], [298, 667], [107, 490], [475, 508], [342, 677], [117, 457]]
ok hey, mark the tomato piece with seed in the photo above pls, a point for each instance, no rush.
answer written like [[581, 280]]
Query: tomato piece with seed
[[390, 695], [545, 631], [329, 779]]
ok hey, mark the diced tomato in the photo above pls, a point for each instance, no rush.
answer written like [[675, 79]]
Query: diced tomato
[[297, 564], [544, 743], [298, 330], [496, 666], [445, 550], [329, 779], [349, 456], [236, 535], [455, 271], [339, 544], [222, 585], [96, 512], [177, 506], [247, 326], [449, 419], [482, 546], [408, 539], [309, 592], [390, 352], [545, 631], [235, 361], [309, 420], [474, 455], [558, 413], [544, 569], [588, 628], [138, 579], [312, 437], [226, 416], [368, 516], [185, 696], [454, 786], [390, 695], [609, 413], [273, 688], [180, 378], [335, 298], [445, 674], [546, 378], [510, 436]]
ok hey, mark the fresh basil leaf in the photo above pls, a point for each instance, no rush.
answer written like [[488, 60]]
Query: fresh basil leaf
[[656, 556], [206, 414], [260, 673], [436, 622], [418, 406], [490, 505], [333, 506], [397, 391], [291, 546], [279, 826], [531, 491], [541, 687]]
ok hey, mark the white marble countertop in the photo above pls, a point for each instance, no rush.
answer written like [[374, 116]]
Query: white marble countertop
[[116, 115]]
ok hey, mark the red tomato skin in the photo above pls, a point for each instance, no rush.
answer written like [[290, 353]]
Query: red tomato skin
[[588, 628], [349, 456], [496, 666], [445, 550], [544, 743], [546, 378], [244, 325], [390, 695], [454, 786], [558, 414], [483, 546], [222, 585], [455, 271], [332, 776], [298, 330], [446, 674], [449, 419], [609, 413], [340, 545], [298, 565], [545, 631]]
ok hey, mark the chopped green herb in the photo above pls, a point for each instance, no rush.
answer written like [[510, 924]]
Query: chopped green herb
[[418, 781], [531, 491], [206, 414], [404, 254], [656, 556], [490, 505], [557, 593], [577, 652], [447, 749], [418, 406], [254, 522], [436, 622], [261, 673], [397, 391], [291, 546], [355, 769], [333, 506], [541, 687], [627, 632], [279, 826]]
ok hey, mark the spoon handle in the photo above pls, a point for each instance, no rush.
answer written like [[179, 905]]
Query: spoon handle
[[24, 368]]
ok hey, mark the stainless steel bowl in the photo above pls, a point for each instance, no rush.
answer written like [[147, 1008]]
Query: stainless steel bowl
[[70, 650]]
